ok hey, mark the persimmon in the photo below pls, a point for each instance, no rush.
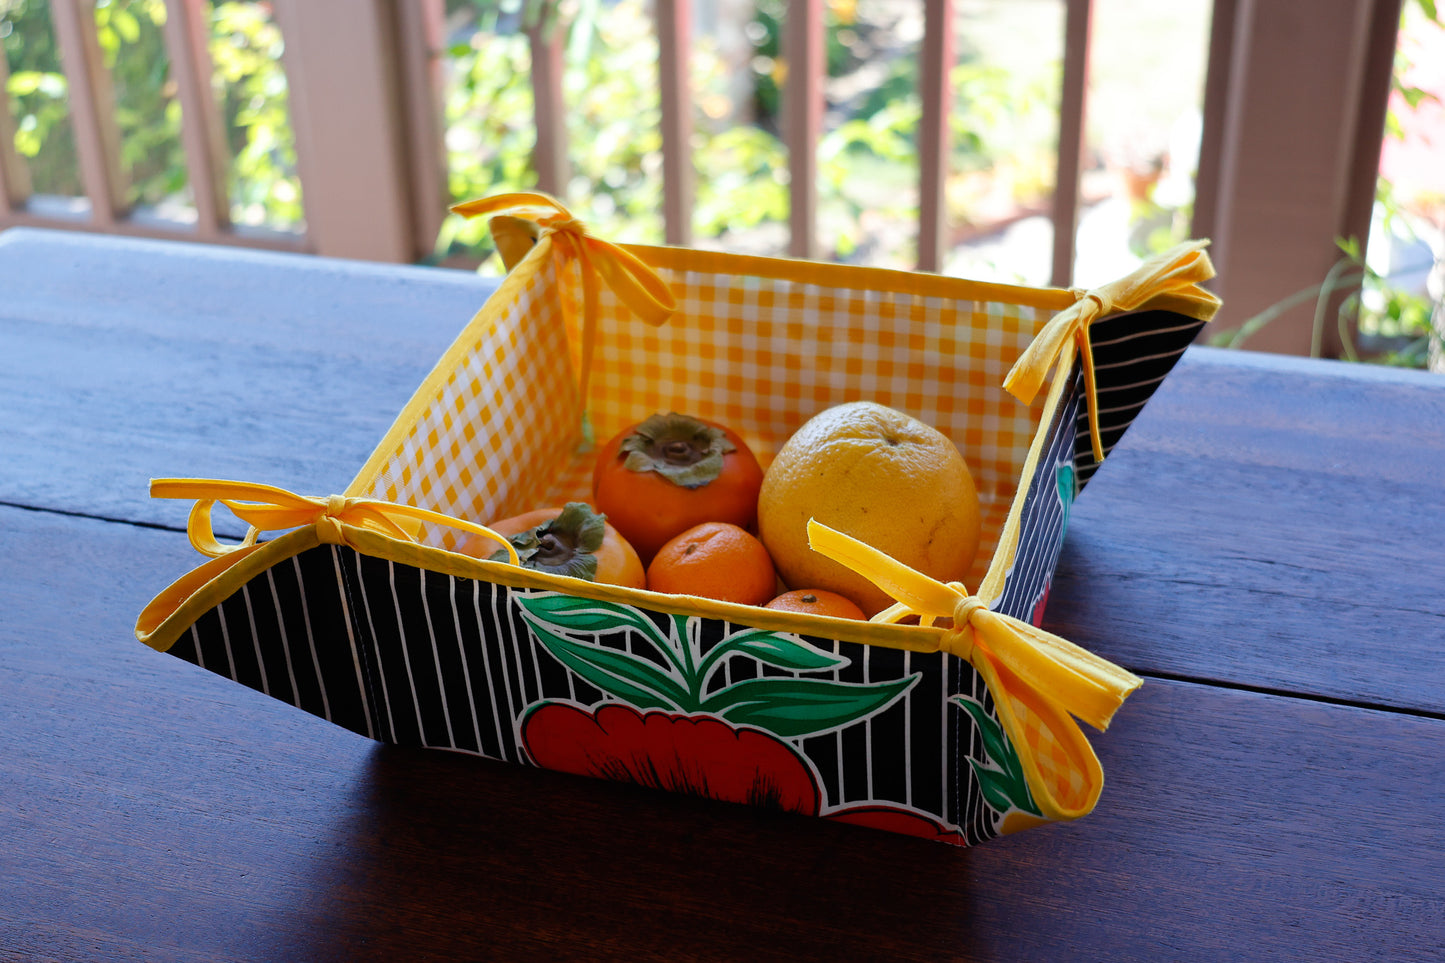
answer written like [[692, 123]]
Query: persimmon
[[660, 477], [714, 560], [573, 540]]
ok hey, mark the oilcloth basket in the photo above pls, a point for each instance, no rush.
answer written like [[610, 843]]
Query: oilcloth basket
[[958, 727]]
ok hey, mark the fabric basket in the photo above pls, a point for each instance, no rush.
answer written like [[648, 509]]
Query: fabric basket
[[960, 726]]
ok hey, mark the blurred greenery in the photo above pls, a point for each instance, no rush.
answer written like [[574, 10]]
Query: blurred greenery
[[249, 85], [1003, 128]]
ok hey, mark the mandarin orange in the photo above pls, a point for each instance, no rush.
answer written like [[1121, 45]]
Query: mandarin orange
[[817, 602], [715, 560]]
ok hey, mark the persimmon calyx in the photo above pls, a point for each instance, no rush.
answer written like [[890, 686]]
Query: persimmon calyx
[[565, 545], [683, 450]]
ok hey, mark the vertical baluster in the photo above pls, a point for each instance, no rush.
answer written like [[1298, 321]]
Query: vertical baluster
[[674, 38], [420, 30], [14, 175], [187, 37], [1071, 139], [933, 140], [92, 110], [553, 171], [803, 120]]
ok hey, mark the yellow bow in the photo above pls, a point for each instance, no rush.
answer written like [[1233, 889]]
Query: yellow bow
[[1050, 677], [266, 508], [636, 285], [1176, 272]]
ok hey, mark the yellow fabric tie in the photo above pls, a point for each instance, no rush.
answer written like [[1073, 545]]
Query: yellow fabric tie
[[1053, 678], [636, 285], [1178, 272], [266, 508]]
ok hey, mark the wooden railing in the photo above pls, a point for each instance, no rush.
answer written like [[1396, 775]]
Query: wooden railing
[[1293, 120]]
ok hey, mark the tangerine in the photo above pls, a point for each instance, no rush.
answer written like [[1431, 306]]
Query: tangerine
[[883, 477], [817, 602], [715, 560], [573, 540], [661, 476]]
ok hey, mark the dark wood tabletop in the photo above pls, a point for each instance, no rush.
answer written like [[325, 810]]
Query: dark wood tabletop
[[1266, 548]]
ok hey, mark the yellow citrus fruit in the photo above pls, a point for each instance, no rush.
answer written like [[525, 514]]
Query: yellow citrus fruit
[[883, 477]]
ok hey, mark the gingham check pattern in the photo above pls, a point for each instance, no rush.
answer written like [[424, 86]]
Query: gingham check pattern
[[494, 428], [1055, 765], [759, 354], [763, 355]]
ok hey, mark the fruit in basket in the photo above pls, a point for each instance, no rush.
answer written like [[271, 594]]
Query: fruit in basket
[[572, 540], [817, 602], [883, 477], [661, 476], [715, 560]]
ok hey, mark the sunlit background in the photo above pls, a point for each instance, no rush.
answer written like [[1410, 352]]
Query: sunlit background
[[1142, 133]]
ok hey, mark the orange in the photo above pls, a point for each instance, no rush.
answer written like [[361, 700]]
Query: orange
[[883, 477], [715, 560], [564, 541], [817, 602], [662, 476]]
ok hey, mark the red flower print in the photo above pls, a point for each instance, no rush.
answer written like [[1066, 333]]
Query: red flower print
[[1039, 606], [896, 820], [699, 755]]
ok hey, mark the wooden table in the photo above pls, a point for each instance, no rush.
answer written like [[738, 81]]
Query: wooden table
[[1266, 547]]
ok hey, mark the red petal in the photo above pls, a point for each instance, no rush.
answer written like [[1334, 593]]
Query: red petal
[[698, 755]]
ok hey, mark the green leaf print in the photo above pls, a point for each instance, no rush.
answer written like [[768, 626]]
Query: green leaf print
[[626, 676], [801, 707]]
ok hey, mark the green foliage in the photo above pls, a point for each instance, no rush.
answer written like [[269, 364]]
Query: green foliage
[[38, 97], [250, 86]]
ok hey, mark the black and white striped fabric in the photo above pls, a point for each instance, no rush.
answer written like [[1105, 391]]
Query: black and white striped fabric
[[1132, 355], [411, 657]]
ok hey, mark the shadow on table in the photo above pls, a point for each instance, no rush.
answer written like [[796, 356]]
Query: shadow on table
[[452, 855]]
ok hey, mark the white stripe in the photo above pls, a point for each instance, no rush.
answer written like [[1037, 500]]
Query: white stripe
[[1143, 334], [405, 651], [908, 733], [517, 663], [196, 640], [376, 651], [436, 657], [1109, 411], [285, 643], [1132, 361], [226, 639], [350, 638], [311, 639], [497, 594], [868, 729], [487, 664], [466, 669], [1136, 384], [838, 733], [255, 639]]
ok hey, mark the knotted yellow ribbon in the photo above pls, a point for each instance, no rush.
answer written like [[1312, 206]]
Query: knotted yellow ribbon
[[266, 508], [1177, 272], [635, 283], [1052, 678]]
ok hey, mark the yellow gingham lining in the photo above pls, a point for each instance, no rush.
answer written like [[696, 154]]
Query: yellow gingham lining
[[759, 350]]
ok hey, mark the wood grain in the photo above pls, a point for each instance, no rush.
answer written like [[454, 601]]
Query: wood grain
[[154, 809], [125, 360], [1264, 545], [1275, 525]]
